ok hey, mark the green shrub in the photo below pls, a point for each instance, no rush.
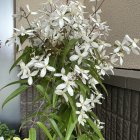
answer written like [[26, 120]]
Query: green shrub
[[6, 132]]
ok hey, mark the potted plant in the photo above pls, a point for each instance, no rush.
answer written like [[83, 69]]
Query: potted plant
[[64, 57]]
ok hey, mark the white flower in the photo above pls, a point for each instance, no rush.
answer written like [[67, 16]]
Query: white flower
[[60, 74], [1, 138], [82, 117], [29, 11], [127, 45], [95, 99], [120, 55], [67, 85], [84, 73], [134, 47], [96, 12], [78, 24], [103, 55], [61, 17], [24, 69], [121, 46], [79, 56], [80, 6], [90, 41], [83, 103], [74, 11], [99, 124], [44, 66], [101, 68], [113, 59], [35, 60], [15, 39], [22, 31], [103, 45], [93, 82], [62, 93], [29, 75]]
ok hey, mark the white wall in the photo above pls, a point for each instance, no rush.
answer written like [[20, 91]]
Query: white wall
[[123, 17], [11, 112]]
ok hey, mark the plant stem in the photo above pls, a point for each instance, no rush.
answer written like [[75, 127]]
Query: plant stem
[[79, 129], [67, 1], [98, 7]]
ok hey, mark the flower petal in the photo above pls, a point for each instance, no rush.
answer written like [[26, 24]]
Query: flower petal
[[81, 99], [80, 60], [58, 74], [58, 92], [50, 68], [117, 49], [77, 50], [63, 71], [70, 90], [46, 60], [43, 72], [61, 86], [34, 73], [66, 97], [78, 104], [66, 19], [30, 80], [74, 57], [61, 22], [121, 61], [84, 54], [39, 65]]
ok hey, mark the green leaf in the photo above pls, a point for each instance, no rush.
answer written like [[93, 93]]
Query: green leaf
[[56, 129], [83, 137], [42, 91], [70, 127], [17, 61], [23, 38], [95, 128], [95, 137], [73, 106], [97, 77], [14, 94], [28, 51], [56, 117], [32, 134], [68, 45], [55, 97], [83, 88], [15, 82], [45, 130], [93, 115]]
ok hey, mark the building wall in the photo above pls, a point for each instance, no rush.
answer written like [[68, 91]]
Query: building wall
[[123, 17]]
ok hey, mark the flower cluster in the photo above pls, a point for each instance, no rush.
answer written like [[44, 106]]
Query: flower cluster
[[68, 52], [86, 106]]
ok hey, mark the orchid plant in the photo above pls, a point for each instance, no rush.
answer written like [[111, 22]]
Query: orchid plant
[[64, 56]]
